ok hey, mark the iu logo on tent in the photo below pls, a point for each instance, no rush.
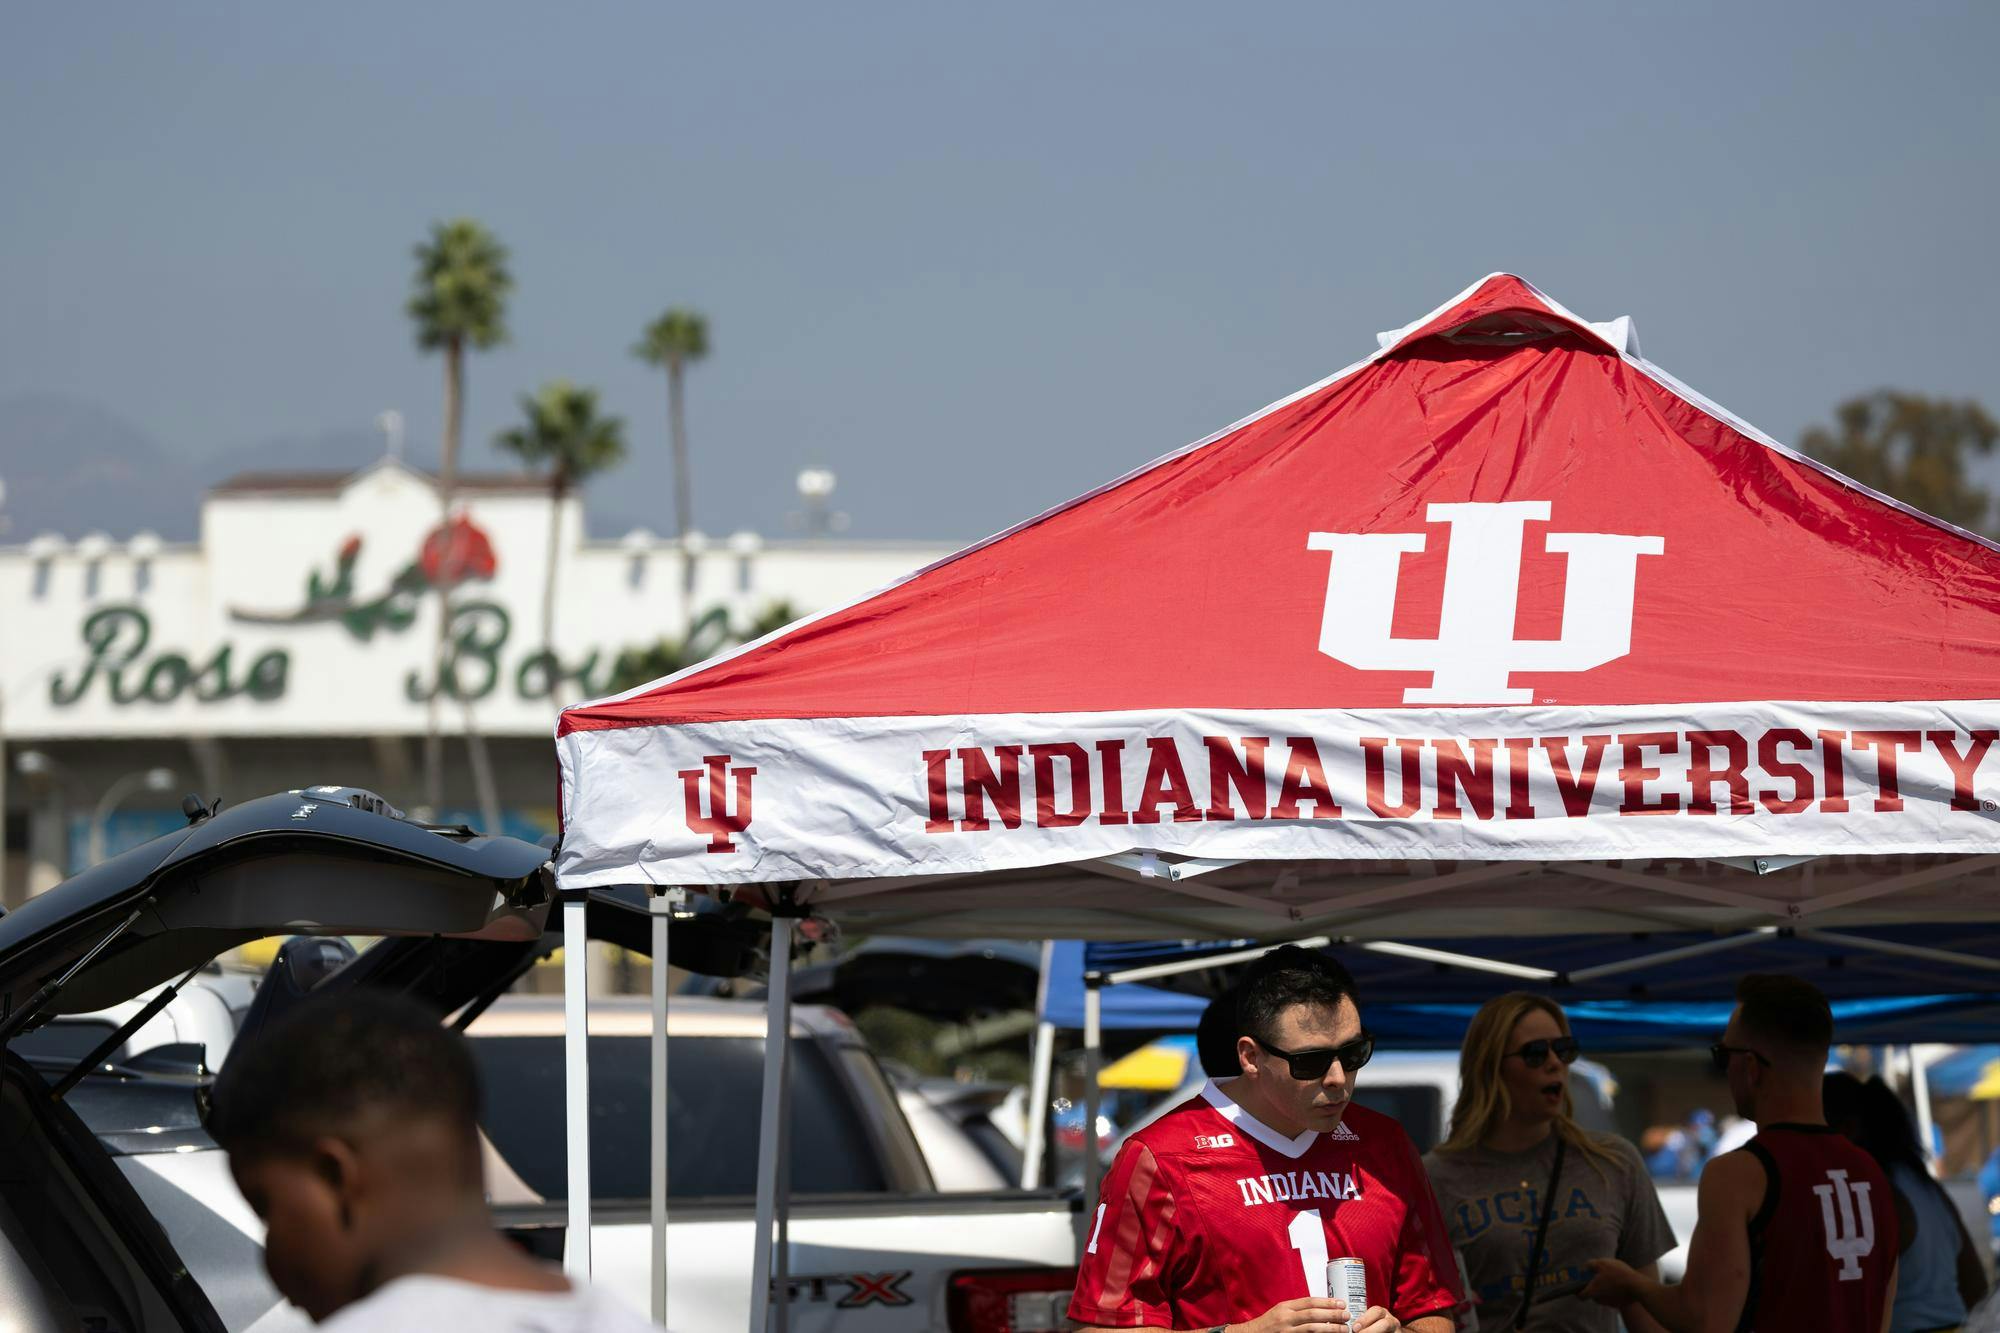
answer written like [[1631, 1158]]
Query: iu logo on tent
[[1851, 1235], [719, 820], [1475, 652]]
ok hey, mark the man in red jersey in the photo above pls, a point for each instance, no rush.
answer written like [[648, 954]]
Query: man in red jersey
[[1223, 1213], [1797, 1228]]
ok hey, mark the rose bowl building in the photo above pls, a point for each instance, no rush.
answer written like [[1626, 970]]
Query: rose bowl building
[[296, 643]]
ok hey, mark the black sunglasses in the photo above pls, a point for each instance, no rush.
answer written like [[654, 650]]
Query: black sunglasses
[[1311, 1066], [1720, 1054], [1536, 1053]]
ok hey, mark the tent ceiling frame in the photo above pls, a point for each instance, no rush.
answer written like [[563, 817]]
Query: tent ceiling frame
[[1897, 949], [1942, 873], [1755, 935], [827, 892], [1483, 873], [1146, 868], [1636, 879], [1207, 961], [1471, 963]]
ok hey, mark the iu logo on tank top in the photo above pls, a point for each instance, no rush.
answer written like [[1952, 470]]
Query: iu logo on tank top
[[1850, 1226], [1823, 1244]]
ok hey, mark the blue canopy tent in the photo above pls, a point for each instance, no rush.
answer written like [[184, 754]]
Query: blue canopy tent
[[1604, 1024], [1932, 982]]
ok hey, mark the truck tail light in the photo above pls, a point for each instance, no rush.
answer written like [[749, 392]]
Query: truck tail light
[[1010, 1300]]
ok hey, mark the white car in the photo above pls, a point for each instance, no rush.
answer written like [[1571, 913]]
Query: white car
[[119, 1213]]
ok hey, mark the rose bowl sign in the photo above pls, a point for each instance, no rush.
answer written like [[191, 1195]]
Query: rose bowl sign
[[311, 607]]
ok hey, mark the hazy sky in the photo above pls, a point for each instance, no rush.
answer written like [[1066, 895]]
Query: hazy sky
[[975, 258]]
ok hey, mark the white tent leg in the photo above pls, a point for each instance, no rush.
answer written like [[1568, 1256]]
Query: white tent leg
[[576, 1076], [1921, 1059], [1038, 1077], [777, 1063], [1038, 1106], [660, 904], [1093, 1065]]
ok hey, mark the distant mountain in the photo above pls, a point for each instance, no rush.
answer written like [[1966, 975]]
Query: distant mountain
[[73, 467], [346, 450]]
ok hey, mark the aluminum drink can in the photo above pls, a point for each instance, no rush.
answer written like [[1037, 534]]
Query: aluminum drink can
[[1347, 1280]]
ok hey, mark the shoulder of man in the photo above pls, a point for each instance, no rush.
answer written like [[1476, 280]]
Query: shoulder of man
[[1189, 1127], [1733, 1184]]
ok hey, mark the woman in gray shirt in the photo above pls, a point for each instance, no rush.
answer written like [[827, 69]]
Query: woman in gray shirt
[[1525, 1188]]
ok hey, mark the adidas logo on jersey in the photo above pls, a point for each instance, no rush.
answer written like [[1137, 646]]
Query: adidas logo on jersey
[[1342, 1134], [1215, 1140]]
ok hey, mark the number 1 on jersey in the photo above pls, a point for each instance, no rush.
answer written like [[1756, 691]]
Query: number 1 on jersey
[[1309, 1239], [1100, 1226]]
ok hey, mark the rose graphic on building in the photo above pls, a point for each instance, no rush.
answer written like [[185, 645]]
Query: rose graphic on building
[[456, 552]]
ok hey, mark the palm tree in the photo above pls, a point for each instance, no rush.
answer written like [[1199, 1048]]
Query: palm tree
[[458, 300], [564, 434], [675, 339]]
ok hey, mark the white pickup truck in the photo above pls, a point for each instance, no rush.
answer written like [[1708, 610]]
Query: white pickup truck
[[875, 1245]]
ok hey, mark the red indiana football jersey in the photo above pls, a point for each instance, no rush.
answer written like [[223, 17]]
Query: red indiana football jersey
[[1211, 1217]]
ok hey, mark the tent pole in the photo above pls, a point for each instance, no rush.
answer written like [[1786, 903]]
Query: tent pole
[[1920, 1083], [660, 903], [1038, 1078], [576, 1076], [781, 1246], [1093, 1065], [777, 1052], [1038, 1105]]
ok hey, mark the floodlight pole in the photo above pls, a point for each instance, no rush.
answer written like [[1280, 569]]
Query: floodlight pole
[[576, 1076]]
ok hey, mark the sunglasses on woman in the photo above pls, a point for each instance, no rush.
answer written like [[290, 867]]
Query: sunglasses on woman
[[1536, 1053], [1311, 1066]]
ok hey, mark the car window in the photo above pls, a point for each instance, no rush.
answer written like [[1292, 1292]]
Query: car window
[[713, 1089], [1417, 1107], [69, 1039], [877, 1100]]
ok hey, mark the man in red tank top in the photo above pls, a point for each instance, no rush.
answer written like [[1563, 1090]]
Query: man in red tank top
[[1795, 1230]]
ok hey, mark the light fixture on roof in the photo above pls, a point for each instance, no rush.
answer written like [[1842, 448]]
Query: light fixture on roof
[[390, 422], [816, 486]]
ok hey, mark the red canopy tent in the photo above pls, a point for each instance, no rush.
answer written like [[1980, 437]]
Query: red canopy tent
[[1502, 628]]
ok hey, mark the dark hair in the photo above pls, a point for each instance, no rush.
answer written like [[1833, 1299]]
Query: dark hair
[[1786, 1011], [1883, 1128], [1284, 977], [321, 1069], [1215, 1037]]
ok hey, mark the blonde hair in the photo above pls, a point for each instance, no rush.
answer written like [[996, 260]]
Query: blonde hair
[[1483, 1101]]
